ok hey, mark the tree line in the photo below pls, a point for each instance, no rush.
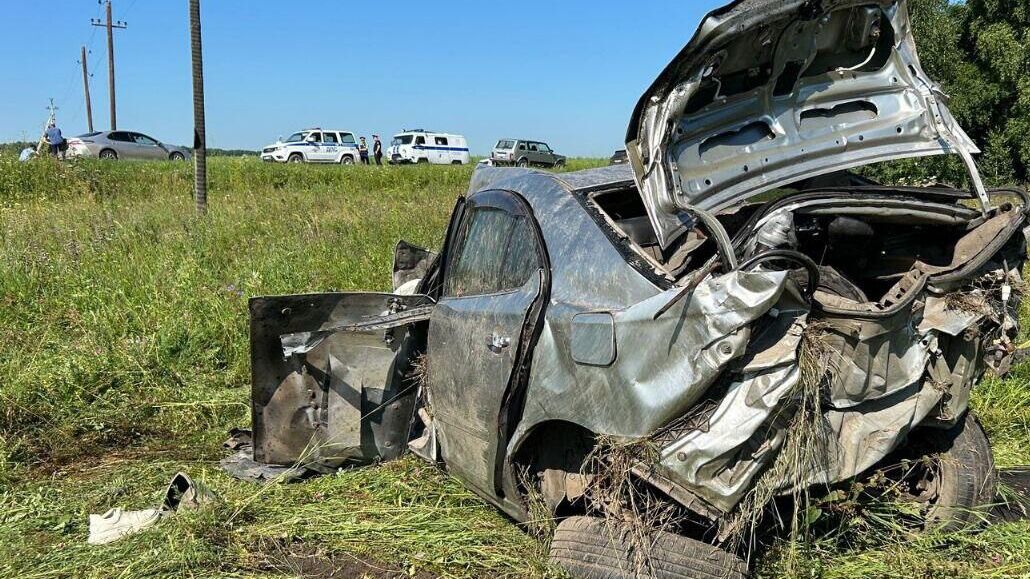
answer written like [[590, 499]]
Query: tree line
[[979, 51]]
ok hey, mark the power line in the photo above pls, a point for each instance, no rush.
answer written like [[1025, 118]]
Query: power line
[[63, 100]]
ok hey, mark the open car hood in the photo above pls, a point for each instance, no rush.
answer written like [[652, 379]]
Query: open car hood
[[769, 92]]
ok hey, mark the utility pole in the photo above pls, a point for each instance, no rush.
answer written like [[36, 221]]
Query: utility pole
[[85, 87], [51, 119], [199, 132], [110, 25]]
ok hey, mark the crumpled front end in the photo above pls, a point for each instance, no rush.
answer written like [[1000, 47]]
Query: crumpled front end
[[823, 393]]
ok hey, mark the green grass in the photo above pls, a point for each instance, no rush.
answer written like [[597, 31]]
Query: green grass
[[123, 321]]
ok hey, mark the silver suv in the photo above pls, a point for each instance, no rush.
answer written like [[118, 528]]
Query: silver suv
[[525, 153]]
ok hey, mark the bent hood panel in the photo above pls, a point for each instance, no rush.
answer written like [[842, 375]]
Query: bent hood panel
[[769, 92]]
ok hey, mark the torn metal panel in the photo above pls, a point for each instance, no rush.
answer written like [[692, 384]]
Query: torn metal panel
[[719, 463], [662, 366], [339, 396]]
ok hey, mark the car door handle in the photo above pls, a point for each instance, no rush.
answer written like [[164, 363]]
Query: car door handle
[[497, 343]]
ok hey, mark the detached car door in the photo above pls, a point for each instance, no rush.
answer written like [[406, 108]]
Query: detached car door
[[480, 331], [333, 376]]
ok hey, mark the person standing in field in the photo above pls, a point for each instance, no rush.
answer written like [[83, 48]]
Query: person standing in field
[[377, 149], [363, 151], [55, 139]]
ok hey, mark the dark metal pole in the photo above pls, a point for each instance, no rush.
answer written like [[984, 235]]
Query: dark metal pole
[[85, 87], [110, 66], [199, 136]]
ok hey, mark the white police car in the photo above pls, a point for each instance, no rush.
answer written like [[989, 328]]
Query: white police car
[[419, 146], [314, 146]]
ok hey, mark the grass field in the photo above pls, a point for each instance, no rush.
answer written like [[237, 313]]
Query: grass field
[[123, 325]]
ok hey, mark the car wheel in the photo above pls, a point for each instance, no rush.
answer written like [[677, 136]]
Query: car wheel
[[296, 158], [949, 472], [177, 157], [347, 160], [456, 163], [423, 161], [523, 162], [109, 154], [559, 164], [592, 548]]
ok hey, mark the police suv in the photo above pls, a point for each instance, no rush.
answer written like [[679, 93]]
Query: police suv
[[420, 146], [313, 146]]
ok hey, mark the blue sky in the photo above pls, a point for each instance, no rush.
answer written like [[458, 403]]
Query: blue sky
[[567, 72]]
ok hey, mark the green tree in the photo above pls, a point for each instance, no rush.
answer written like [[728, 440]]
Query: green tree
[[996, 40], [979, 51]]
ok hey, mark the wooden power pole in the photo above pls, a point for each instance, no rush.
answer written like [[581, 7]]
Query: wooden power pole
[[110, 25], [85, 88], [199, 132]]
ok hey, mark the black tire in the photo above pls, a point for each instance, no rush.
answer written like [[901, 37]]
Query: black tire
[[590, 548], [523, 162], [177, 157], [347, 160], [953, 474], [295, 158], [422, 161], [559, 164], [457, 163], [108, 154]]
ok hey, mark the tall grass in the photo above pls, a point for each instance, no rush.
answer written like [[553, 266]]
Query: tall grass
[[123, 325]]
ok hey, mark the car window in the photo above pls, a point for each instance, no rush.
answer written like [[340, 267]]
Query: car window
[[496, 253], [522, 146], [142, 139], [315, 137], [119, 136], [347, 138], [420, 140], [532, 147], [294, 138], [505, 144], [543, 148], [330, 138], [521, 259], [441, 141]]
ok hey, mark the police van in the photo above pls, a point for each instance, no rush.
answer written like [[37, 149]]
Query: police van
[[314, 146], [420, 146]]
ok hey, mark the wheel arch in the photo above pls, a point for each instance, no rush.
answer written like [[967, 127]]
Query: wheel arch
[[538, 449]]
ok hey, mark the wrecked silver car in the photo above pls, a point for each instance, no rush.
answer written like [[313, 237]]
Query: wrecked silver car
[[730, 317]]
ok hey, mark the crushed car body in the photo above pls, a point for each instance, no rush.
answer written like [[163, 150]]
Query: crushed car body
[[729, 279]]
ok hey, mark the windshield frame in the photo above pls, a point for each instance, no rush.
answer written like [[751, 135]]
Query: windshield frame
[[403, 139]]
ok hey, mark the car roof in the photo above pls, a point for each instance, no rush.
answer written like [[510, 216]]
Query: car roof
[[420, 132], [574, 181]]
